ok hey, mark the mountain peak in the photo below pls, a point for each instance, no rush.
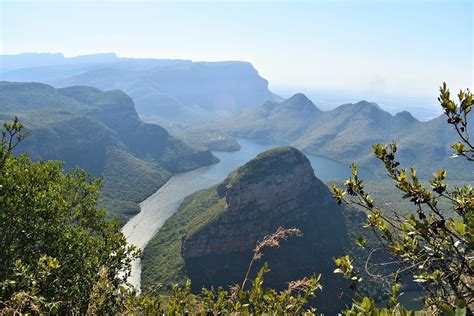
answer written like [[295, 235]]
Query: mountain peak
[[405, 115], [280, 159], [300, 102], [365, 103], [299, 97], [362, 105]]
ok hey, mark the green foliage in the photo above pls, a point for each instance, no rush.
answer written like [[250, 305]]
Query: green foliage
[[54, 239], [256, 300], [24, 288], [11, 137], [457, 116], [429, 245]]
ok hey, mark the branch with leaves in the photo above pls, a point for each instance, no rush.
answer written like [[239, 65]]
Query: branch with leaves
[[457, 114], [430, 245], [12, 135]]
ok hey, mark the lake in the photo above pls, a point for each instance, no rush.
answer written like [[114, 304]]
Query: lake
[[164, 202]]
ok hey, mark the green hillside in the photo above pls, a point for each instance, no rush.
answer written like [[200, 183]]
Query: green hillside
[[102, 133], [346, 133]]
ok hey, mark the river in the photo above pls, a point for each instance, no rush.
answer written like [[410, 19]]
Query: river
[[163, 203]]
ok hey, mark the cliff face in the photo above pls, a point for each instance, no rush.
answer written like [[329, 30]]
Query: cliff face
[[277, 188], [259, 197], [116, 110]]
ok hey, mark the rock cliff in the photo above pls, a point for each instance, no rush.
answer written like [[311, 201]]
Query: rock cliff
[[211, 237], [261, 195]]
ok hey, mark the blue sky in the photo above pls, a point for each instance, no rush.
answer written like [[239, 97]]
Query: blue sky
[[385, 47]]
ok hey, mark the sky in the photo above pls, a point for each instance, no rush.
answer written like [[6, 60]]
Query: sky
[[399, 48]]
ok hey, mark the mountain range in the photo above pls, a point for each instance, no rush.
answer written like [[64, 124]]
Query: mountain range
[[101, 132], [347, 133], [173, 90]]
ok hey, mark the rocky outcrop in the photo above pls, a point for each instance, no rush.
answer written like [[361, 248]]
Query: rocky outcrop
[[260, 194], [276, 189]]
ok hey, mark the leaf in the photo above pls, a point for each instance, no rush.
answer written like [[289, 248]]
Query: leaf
[[460, 311], [361, 242], [459, 227]]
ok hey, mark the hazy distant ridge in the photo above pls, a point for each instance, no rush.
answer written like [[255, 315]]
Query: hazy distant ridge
[[175, 90], [347, 132]]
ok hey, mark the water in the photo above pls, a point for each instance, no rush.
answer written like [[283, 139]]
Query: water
[[164, 202]]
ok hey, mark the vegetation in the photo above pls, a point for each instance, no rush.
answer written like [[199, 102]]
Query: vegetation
[[56, 244], [61, 256], [346, 133], [101, 133], [429, 246]]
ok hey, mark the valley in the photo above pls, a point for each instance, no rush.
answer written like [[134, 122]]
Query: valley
[[159, 206], [101, 132], [236, 158]]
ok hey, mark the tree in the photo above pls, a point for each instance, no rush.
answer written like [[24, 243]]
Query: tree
[[432, 246], [55, 242]]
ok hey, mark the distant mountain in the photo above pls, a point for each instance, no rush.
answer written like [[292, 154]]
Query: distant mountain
[[347, 133], [102, 133], [174, 90], [211, 237], [26, 60], [275, 121]]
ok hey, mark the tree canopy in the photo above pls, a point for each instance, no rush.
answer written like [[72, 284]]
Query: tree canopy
[[54, 238]]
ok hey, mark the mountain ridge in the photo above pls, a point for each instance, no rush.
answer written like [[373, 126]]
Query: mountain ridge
[[172, 89], [347, 132], [105, 136]]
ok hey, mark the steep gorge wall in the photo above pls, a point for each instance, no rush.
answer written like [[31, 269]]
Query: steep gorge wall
[[278, 188]]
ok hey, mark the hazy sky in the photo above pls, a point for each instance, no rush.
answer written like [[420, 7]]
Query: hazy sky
[[397, 47]]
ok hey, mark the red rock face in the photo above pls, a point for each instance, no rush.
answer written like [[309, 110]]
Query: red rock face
[[256, 206], [277, 189]]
